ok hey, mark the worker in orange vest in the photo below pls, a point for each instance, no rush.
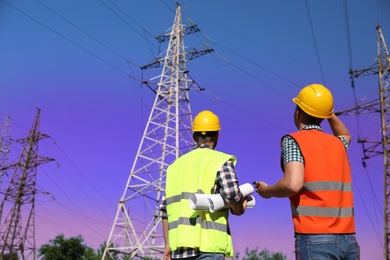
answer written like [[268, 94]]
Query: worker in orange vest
[[317, 180]]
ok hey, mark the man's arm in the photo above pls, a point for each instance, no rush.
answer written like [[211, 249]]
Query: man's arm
[[338, 128], [164, 223], [291, 183], [230, 190], [167, 251], [293, 178]]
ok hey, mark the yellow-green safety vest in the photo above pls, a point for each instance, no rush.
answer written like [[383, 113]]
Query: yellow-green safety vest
[[195, 172]]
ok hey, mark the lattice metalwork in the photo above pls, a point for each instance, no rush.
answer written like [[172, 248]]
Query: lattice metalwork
[[136, 231], [5, 148], [378, 142], [17, 210]]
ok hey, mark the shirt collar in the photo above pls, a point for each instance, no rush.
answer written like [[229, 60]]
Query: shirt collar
[[202, 146], [312, 126]]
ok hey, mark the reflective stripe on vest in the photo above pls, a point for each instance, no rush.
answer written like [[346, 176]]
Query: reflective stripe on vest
[[178, 198], [325, 203], [322, 212], [195, 172], [195, 221], [327, 185]]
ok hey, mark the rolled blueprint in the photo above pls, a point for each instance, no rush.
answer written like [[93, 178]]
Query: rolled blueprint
[[250, 202], [200, 201], [246, 189], [218, 203], [214, 202]]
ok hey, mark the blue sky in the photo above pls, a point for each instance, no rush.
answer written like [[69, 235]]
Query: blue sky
[[79, 63]]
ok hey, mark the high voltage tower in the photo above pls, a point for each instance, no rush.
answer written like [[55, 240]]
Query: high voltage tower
[[5, 146], [381, 105], [17, 209], [167, 136]]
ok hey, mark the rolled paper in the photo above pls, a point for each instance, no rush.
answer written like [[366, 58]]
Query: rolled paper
[[250, 202], [246, 189], [216, 203], [199, 201]]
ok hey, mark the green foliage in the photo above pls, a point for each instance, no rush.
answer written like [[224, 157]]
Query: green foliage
[[12, 256], [254, 254], [100, 252], [65, 249], [73, 248]]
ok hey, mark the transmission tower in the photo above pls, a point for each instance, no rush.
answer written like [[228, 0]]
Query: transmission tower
[[5, 145], [136, 231], [17, 237], [381, 105]]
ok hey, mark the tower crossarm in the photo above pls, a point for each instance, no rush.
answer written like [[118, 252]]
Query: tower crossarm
[[188, 30], [371, 148], [362, 107], [371, 70], [195, 53], [190, 55]]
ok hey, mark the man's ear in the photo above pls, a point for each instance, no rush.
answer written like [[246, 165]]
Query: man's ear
[[297, 113]]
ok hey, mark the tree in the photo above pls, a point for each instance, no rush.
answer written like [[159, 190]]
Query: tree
[[100, 252], [254, 254], [65, 249], [12, 256]]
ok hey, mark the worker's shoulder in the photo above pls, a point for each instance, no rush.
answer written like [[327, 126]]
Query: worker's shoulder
[[211, 152], [204, 152]]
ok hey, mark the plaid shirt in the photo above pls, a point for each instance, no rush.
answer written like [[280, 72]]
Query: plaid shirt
[[290, 148], [226, 184]]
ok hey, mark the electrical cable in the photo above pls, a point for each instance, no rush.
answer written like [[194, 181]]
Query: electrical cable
[[315, 43]]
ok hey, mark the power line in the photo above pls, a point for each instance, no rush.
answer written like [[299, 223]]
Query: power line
[[315, 42], [67, 39]]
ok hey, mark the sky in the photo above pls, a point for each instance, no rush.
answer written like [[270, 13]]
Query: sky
[[79, 63]]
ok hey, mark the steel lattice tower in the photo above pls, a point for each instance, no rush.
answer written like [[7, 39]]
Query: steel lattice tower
[[381, 105], [5, 145], [384, 83], [167, 136], [17, 237]]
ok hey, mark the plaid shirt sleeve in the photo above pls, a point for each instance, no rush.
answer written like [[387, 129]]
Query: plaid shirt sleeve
[[345, 143], [291, 151], [163, 208], [227, 183]]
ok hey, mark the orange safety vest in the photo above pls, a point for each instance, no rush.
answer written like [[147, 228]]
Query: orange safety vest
[[325, 203]]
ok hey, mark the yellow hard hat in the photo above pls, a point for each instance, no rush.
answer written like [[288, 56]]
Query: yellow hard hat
[[206, 121], [316, 100]]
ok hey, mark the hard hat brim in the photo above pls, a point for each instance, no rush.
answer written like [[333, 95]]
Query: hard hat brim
[[311, 111]]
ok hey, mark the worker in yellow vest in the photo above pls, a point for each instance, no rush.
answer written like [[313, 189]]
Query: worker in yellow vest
[[200, 234], [317, 180]]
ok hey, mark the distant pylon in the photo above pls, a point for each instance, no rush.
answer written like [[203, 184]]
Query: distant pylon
[[136, 231], [378, 144], [17, 237], [5, 146]]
